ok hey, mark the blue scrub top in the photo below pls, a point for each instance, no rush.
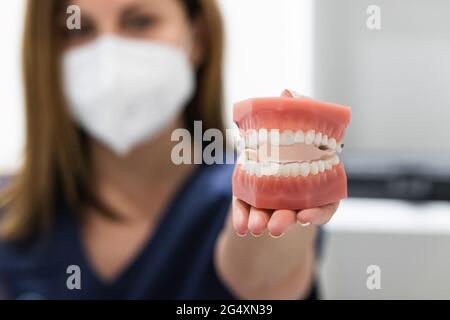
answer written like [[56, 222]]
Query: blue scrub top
[[176, 262]]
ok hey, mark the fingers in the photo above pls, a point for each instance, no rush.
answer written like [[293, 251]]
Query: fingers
[[277, 222], [240, 216], [317, 216], [258, 221], [246, 218], [281, 221]]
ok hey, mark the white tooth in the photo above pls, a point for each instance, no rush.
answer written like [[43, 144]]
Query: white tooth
[[299, 137], [295, 169], [272, 169], [258, 170], [284, 170], [254, 168], [314, 168], [339, 148], [332, 143], [275, 137], [318, 139], [325, 140], [305, 169], [287, 138], [275, 169], [245, 166], [328, 165], [321, 165], [245, 138], [250, 168], [253, 139], [240, 144], [265, 170], [335, 160], [241, 159], [310, 136], [263, 136]]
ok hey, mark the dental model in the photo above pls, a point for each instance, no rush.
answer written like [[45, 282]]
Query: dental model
[[290, 157]]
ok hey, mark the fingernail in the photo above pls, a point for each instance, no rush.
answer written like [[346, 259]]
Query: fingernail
[[241, 235], [276, 237], [306, 224], [256, 235]]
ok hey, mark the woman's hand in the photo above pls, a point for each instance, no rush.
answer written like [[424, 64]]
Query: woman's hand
[[277, 222], [254, 265]]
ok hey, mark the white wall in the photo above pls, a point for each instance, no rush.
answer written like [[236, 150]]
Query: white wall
[[268, 48], [396, 79], [11, 112]]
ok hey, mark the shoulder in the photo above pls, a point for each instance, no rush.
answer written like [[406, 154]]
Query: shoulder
[[14, 255], [5, 247], [10, 255], [28, 266], [26, 269]]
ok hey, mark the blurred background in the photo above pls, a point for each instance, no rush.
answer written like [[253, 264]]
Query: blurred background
[[395, 77]]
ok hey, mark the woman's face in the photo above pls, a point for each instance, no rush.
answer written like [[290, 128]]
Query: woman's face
[[164, 21]]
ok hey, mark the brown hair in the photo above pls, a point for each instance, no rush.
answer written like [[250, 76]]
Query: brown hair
[[56, 162]]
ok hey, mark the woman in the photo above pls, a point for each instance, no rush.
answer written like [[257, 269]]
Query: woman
[[99, 210]]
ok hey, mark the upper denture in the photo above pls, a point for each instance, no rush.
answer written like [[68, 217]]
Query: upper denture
[[284, 113]]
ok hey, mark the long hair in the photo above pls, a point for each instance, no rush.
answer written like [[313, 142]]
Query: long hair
[[56, 157]]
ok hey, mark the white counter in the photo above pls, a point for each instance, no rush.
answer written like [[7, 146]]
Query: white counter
[[410, 242]]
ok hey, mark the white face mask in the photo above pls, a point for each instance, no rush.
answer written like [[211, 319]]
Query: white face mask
[[124, 92]]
